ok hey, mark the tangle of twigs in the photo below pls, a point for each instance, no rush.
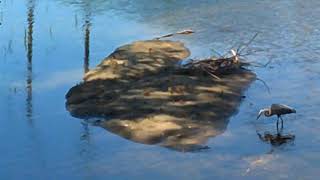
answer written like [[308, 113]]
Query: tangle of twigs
[[223, 64]]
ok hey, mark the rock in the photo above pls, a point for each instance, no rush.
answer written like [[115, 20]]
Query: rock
[[144, 98]]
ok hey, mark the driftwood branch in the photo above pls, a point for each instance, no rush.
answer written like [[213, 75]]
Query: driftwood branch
[[183, 32]]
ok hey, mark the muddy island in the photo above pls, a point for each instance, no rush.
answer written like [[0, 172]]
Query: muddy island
[[142, 95]]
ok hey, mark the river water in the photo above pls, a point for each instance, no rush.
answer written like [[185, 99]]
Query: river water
[[46, 46]]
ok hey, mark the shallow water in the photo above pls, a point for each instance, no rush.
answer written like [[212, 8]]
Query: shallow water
[[46, 46]]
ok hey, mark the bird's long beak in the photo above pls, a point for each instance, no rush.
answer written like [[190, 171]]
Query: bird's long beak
[[259, 116], [260, 113]]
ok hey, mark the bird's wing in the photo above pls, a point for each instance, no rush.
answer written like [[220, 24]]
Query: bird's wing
[[281, 109]]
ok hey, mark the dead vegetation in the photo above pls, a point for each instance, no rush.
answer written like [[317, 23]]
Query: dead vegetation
[[221, 64], [218, 64]]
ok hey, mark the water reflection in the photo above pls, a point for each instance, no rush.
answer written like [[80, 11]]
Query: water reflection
[[86, 45], [87, 9], [29, 46], [277, 140], [92, 7], [85, 136], [179, 135]]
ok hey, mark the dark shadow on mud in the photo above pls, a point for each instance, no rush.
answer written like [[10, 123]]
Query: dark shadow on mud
[[142, 97]]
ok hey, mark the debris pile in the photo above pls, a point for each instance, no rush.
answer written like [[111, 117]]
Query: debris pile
[[222, 64], [216, 66]]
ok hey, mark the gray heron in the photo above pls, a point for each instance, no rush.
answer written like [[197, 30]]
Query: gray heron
[[276, 109]]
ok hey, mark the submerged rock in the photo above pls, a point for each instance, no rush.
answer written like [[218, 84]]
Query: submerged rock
[[145, 99]]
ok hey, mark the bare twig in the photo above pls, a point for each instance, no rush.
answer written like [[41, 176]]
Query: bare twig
[[223, 64], [248, 43], [265, 84], [255, 64], [211, 74], [216, 52], [265, 65]]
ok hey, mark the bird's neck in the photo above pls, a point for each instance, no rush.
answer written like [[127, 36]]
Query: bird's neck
[[268, 113]]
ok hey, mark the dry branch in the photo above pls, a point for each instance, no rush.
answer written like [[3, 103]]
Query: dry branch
[[183, 32], [223, 64], [216, 66]]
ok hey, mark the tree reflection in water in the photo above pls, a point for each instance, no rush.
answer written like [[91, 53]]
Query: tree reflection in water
[[29, 46]]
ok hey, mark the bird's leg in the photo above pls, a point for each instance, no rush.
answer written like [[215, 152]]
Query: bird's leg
[[262, 138], [278, 124], [281, 122]]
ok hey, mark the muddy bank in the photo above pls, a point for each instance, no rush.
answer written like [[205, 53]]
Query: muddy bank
[[146, 100]]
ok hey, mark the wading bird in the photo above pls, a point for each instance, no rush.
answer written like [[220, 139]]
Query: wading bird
[[276, 109]]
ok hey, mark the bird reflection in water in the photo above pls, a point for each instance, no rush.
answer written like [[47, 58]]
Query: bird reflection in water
[[278, 139]]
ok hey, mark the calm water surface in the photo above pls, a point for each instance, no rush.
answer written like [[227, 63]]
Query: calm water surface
[[46, 46]]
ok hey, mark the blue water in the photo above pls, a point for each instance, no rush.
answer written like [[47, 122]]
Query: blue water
[[46, 46]]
